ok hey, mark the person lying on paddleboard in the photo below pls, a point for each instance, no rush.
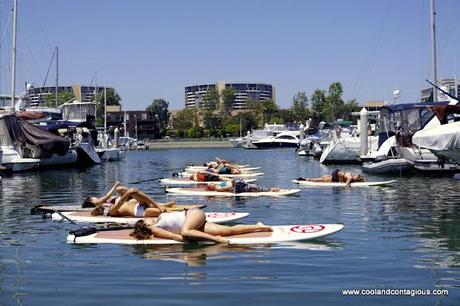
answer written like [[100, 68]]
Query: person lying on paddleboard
[[129, 203], [205, 176], [191, 224], [337, 176], [238, 186]]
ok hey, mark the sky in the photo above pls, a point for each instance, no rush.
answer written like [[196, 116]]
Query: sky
[[148, 49]]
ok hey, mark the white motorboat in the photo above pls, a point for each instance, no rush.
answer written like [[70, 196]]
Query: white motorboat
[[388, 166], [443, 140], [282, 140], [345, 147], [397, 125]]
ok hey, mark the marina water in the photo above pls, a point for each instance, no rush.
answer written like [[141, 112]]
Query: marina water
[[405, 236]]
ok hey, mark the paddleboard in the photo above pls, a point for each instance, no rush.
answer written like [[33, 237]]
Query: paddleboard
[[197, 168], [357, 184], [241, 175], [280, 234], [204, 192], [186, 181], [84, 216], [54, 208]]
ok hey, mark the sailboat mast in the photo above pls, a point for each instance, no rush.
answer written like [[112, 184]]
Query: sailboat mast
[[57, 74], [13, 68], [105, 109], [433, 51]]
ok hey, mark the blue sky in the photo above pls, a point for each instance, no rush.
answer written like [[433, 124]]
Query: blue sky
[[152, 49]]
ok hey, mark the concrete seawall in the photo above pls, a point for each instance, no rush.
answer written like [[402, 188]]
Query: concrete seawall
[[188, 144]]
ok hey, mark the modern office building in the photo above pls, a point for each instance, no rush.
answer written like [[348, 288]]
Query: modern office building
[[37, 95], [194, 95], [452, 86]]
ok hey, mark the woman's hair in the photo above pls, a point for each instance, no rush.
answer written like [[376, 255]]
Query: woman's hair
[[359, 178], [88, 203], [97, 211], [141, 231]]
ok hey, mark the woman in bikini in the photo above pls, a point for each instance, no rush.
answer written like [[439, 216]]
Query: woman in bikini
[[238, 186], [191, 224], [130, 203], [337, 176]]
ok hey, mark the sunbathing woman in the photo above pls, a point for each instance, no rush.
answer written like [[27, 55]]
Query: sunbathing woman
[[130, 202], [191, 225], [205, 176], [337, 176], [238, 186]]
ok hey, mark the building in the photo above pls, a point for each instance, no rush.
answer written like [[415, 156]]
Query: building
[[452, 86], [37, 95], [194, 95], [139, 124]]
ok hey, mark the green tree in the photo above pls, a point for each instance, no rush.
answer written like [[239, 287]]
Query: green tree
[[318, 103], [160, 109], [63, 97], [350, 107], [228, 98], [270, 108], [300, 107], [286, 116], [334, 102], [211, 100], [184, 119], [112, 99], [257, 109]]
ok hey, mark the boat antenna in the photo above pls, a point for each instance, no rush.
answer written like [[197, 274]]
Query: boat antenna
[[443, 91], [433, 51], [13, 68]]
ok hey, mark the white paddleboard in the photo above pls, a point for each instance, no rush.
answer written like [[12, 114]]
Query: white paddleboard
[[241, 175], [83, 216], [204, 192], [280, 234], [186, 181], [357, 184], [73, 208], [198, 168]]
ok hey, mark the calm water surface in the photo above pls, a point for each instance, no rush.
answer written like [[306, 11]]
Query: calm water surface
[[405, 236]]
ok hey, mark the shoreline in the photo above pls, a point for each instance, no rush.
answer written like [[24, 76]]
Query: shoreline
[[187, 144]]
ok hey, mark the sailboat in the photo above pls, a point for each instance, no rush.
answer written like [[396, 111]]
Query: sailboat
[[109, 152]]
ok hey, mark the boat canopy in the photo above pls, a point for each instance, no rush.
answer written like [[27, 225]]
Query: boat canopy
[[34, 142], [407, 118]]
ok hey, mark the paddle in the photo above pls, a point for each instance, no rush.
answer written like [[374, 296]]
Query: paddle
[[147, 180]]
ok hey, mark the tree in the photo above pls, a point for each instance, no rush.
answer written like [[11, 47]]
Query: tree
[[184, 119], [228, 99], [318, 102], [269, 109], [63, 97], [211, 100], [300, 107], [257, 109], [112, 99], [334, 102], [159, 108]]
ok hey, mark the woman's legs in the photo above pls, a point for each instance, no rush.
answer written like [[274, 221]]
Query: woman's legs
[[194, 223], [222, 230], [324, 178]]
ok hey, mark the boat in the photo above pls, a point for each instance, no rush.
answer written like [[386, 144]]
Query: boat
[[444, 140], [388, 166], [83, 115], [287, 139], [398, 124], [255, 135]]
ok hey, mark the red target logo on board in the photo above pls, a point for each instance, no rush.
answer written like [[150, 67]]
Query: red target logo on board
[[220, 215], [307, 229]]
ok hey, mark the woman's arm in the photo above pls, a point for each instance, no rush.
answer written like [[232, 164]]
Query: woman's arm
[[113, 210], [162, 233], [108, 195]]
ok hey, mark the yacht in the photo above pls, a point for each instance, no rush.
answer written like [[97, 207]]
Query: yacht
[[282, 140], [398, 124], [444, 140]]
